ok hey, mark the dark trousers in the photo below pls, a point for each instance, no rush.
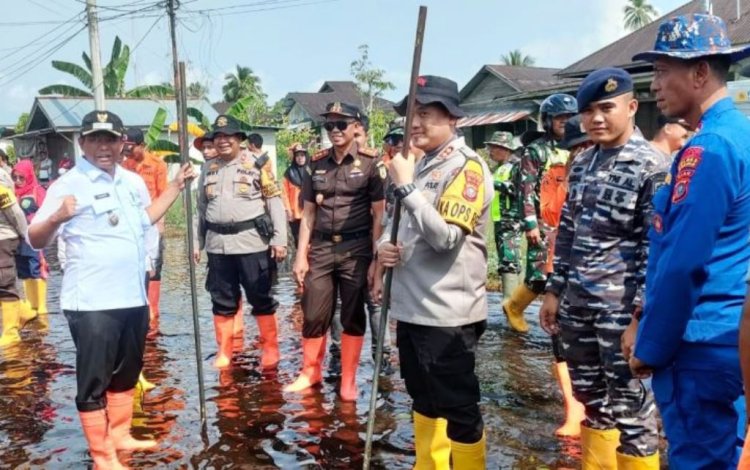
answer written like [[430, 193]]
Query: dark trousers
[[159, 262], [437, 364], [226, 273], [109, 352], [336, 268]]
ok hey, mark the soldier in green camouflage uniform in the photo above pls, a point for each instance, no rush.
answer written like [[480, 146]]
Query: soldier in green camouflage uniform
[[537, 156], [506, 206]]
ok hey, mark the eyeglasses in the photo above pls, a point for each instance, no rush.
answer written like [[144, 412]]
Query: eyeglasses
[[340, 125], [18, 178]]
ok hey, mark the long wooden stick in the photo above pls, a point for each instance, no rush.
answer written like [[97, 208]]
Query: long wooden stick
[[385, 304]]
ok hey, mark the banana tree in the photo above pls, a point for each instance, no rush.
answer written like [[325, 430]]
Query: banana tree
[[166, 149], [113, 76]]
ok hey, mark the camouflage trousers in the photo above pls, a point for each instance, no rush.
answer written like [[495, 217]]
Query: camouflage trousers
[[536, 264], [602, 380], [508, 242]]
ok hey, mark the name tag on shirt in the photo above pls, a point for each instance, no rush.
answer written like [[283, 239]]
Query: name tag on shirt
[[101, 196], [104, 205]]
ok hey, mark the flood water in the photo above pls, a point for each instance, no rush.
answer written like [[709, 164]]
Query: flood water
[[251, 424]]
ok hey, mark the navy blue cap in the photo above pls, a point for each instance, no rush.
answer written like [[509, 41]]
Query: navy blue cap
[[603, 84]]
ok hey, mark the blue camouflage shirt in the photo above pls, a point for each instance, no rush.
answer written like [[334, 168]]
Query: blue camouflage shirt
[[695, 283]]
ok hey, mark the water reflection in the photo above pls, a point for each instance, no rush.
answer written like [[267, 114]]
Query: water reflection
[[251, 423]]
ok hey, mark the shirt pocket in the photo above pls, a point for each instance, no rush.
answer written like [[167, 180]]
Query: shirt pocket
[[210, 188], [246, 186], [615, 210], [322, 183]]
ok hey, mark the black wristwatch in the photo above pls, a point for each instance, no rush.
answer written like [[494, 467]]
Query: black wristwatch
[[404, 190]]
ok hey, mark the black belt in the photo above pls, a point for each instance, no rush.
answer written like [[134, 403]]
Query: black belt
[[340, 237], [231, 228]]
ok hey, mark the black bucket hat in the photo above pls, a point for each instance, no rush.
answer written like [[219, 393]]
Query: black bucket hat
[[225, 124], [434, 89]]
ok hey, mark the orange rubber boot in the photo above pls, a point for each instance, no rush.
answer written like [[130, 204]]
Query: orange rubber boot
[[224, 326], [574, 410], [102, 451], [154, 295], [120, 414], [313, 350], [351, 347], [239, 322], [269, 341]]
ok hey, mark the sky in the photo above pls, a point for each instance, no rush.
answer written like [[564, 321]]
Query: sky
[[296, 45]]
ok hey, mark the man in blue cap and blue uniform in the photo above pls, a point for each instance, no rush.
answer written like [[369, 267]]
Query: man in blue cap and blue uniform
[[599, 271], [687, 336]]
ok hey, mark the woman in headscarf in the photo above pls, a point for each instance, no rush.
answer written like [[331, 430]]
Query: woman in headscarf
[[293, 179], [30, 264]]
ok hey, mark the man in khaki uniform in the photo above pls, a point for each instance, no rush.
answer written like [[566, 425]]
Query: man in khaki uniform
[[439, 276], [240, 214]]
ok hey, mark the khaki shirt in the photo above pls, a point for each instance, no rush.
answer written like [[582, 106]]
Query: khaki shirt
[[12, 219], [443, 271], [237, 191], [344, 192]]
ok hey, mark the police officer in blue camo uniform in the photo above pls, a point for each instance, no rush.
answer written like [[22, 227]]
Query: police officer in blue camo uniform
[[687, 335], [599, 272]]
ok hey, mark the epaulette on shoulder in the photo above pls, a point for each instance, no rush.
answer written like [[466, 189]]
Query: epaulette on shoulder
[[320, 154], [261, 161], [368, 152]]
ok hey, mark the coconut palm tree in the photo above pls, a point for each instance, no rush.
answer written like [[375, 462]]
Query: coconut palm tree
[[113, 75], [638, 13], [240, 84], [516, 58]]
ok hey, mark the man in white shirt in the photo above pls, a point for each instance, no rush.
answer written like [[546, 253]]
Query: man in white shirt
[[99, 215]]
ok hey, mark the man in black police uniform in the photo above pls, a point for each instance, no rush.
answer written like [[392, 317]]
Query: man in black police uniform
[[343, 210]]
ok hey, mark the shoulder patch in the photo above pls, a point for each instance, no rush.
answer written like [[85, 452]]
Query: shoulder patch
[[7, 197], [368, 152], [463, 199], [688, 163], [320, 154], [261, 161]]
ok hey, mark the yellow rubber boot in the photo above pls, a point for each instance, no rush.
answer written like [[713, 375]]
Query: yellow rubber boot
[[11, 323], [631, 462], [29, 287], [41, 296], [516, 305], [26, 312], [144, 384], [470, 456], [433, 448], [599, 448]]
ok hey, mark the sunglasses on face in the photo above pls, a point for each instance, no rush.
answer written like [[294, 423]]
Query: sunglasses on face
[[340, 125], [394, 141], [18, 178]]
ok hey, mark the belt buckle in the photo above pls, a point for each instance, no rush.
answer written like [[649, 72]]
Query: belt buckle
[[337, 238]]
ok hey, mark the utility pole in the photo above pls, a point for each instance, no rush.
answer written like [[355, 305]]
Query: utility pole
[[172, 6], [96, 59]]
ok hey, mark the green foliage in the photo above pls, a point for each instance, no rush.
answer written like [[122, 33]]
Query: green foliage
[[637, 14], [285, 138], [11, 152], [23, 119], [199, 117], [370, 80], [154, 130], [379, 120], [113, 76], [518, 59]]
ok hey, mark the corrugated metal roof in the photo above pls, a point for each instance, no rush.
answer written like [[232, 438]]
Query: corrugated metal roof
[[491, 118], [527, 78], [63, 113], [315, 103], [620, 52]]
